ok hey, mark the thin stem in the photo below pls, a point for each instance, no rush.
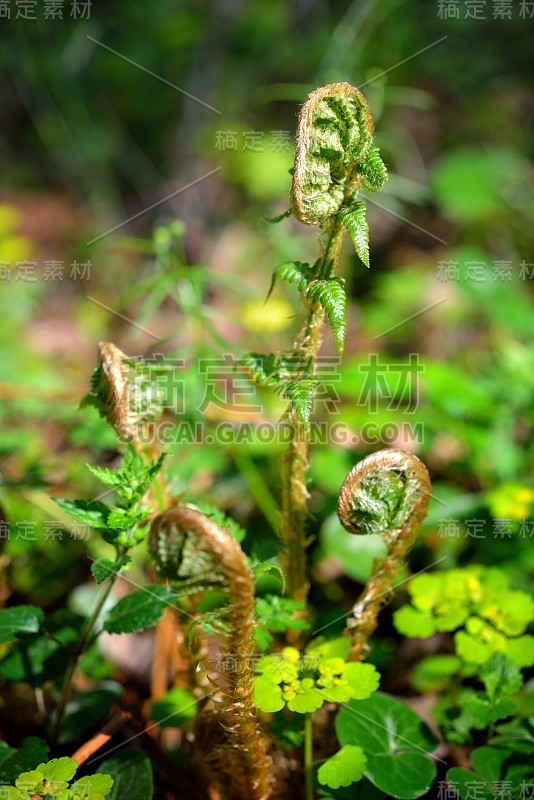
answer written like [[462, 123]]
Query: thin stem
[[308, 755], [78, 651], [295, 464], [258, 487]]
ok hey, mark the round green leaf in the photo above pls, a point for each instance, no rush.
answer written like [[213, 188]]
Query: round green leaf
[[363, 679], [343, 768], [395, 741], [267, 694]]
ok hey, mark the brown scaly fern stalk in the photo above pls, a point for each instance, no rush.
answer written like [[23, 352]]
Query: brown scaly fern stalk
[[334, 156], [387, 493], [193, 553]]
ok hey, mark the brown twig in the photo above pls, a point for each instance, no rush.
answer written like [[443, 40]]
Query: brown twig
[[98, 741]]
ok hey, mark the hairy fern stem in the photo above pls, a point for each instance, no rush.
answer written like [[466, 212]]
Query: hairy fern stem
[[192, 551], [295, 464]]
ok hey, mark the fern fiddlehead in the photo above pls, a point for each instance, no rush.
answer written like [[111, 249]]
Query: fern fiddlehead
[[334, 135], [334, 155], [387, 493], [194, 553], [123, 391]]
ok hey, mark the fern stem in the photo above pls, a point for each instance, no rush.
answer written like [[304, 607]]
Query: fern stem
[[295, 464], [228, 737]]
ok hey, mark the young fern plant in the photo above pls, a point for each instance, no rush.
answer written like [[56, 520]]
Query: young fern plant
[[387, 493], [334, 158], [193, 554]]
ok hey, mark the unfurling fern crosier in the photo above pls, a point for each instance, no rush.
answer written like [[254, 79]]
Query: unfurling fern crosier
[[194, 553], [387, 493], [124, 391], [334, 146]]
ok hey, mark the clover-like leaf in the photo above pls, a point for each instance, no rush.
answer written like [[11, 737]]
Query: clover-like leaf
[[92, 787], [267, 694], [307, 698], [410, 621], [363, 679], [343, 768], [58, 769]]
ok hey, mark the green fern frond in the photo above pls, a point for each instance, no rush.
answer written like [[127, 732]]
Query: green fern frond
[[355, 221], [373, 170], [300, 395], [292, 272], [263, 368], [331, 295]]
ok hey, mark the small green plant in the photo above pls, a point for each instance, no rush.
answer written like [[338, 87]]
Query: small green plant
[[53, 779]]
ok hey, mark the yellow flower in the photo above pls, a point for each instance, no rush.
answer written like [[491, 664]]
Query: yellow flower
[[276, 315]]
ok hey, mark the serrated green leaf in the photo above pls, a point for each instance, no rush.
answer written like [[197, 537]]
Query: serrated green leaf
[[89, 512], [122, 519], [300, 394], [19, 620], [132, 772], [501, 677], [58, 769], [355, 221], [292, 272], [92, 787], [343, 768], [263, 368], [138, 610], [332, 297], [108, 477], [103, 569], [373, 170]]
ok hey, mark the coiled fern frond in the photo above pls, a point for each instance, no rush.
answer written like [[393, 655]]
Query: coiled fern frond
[[334, 140], [189, 549], [387, 493]]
